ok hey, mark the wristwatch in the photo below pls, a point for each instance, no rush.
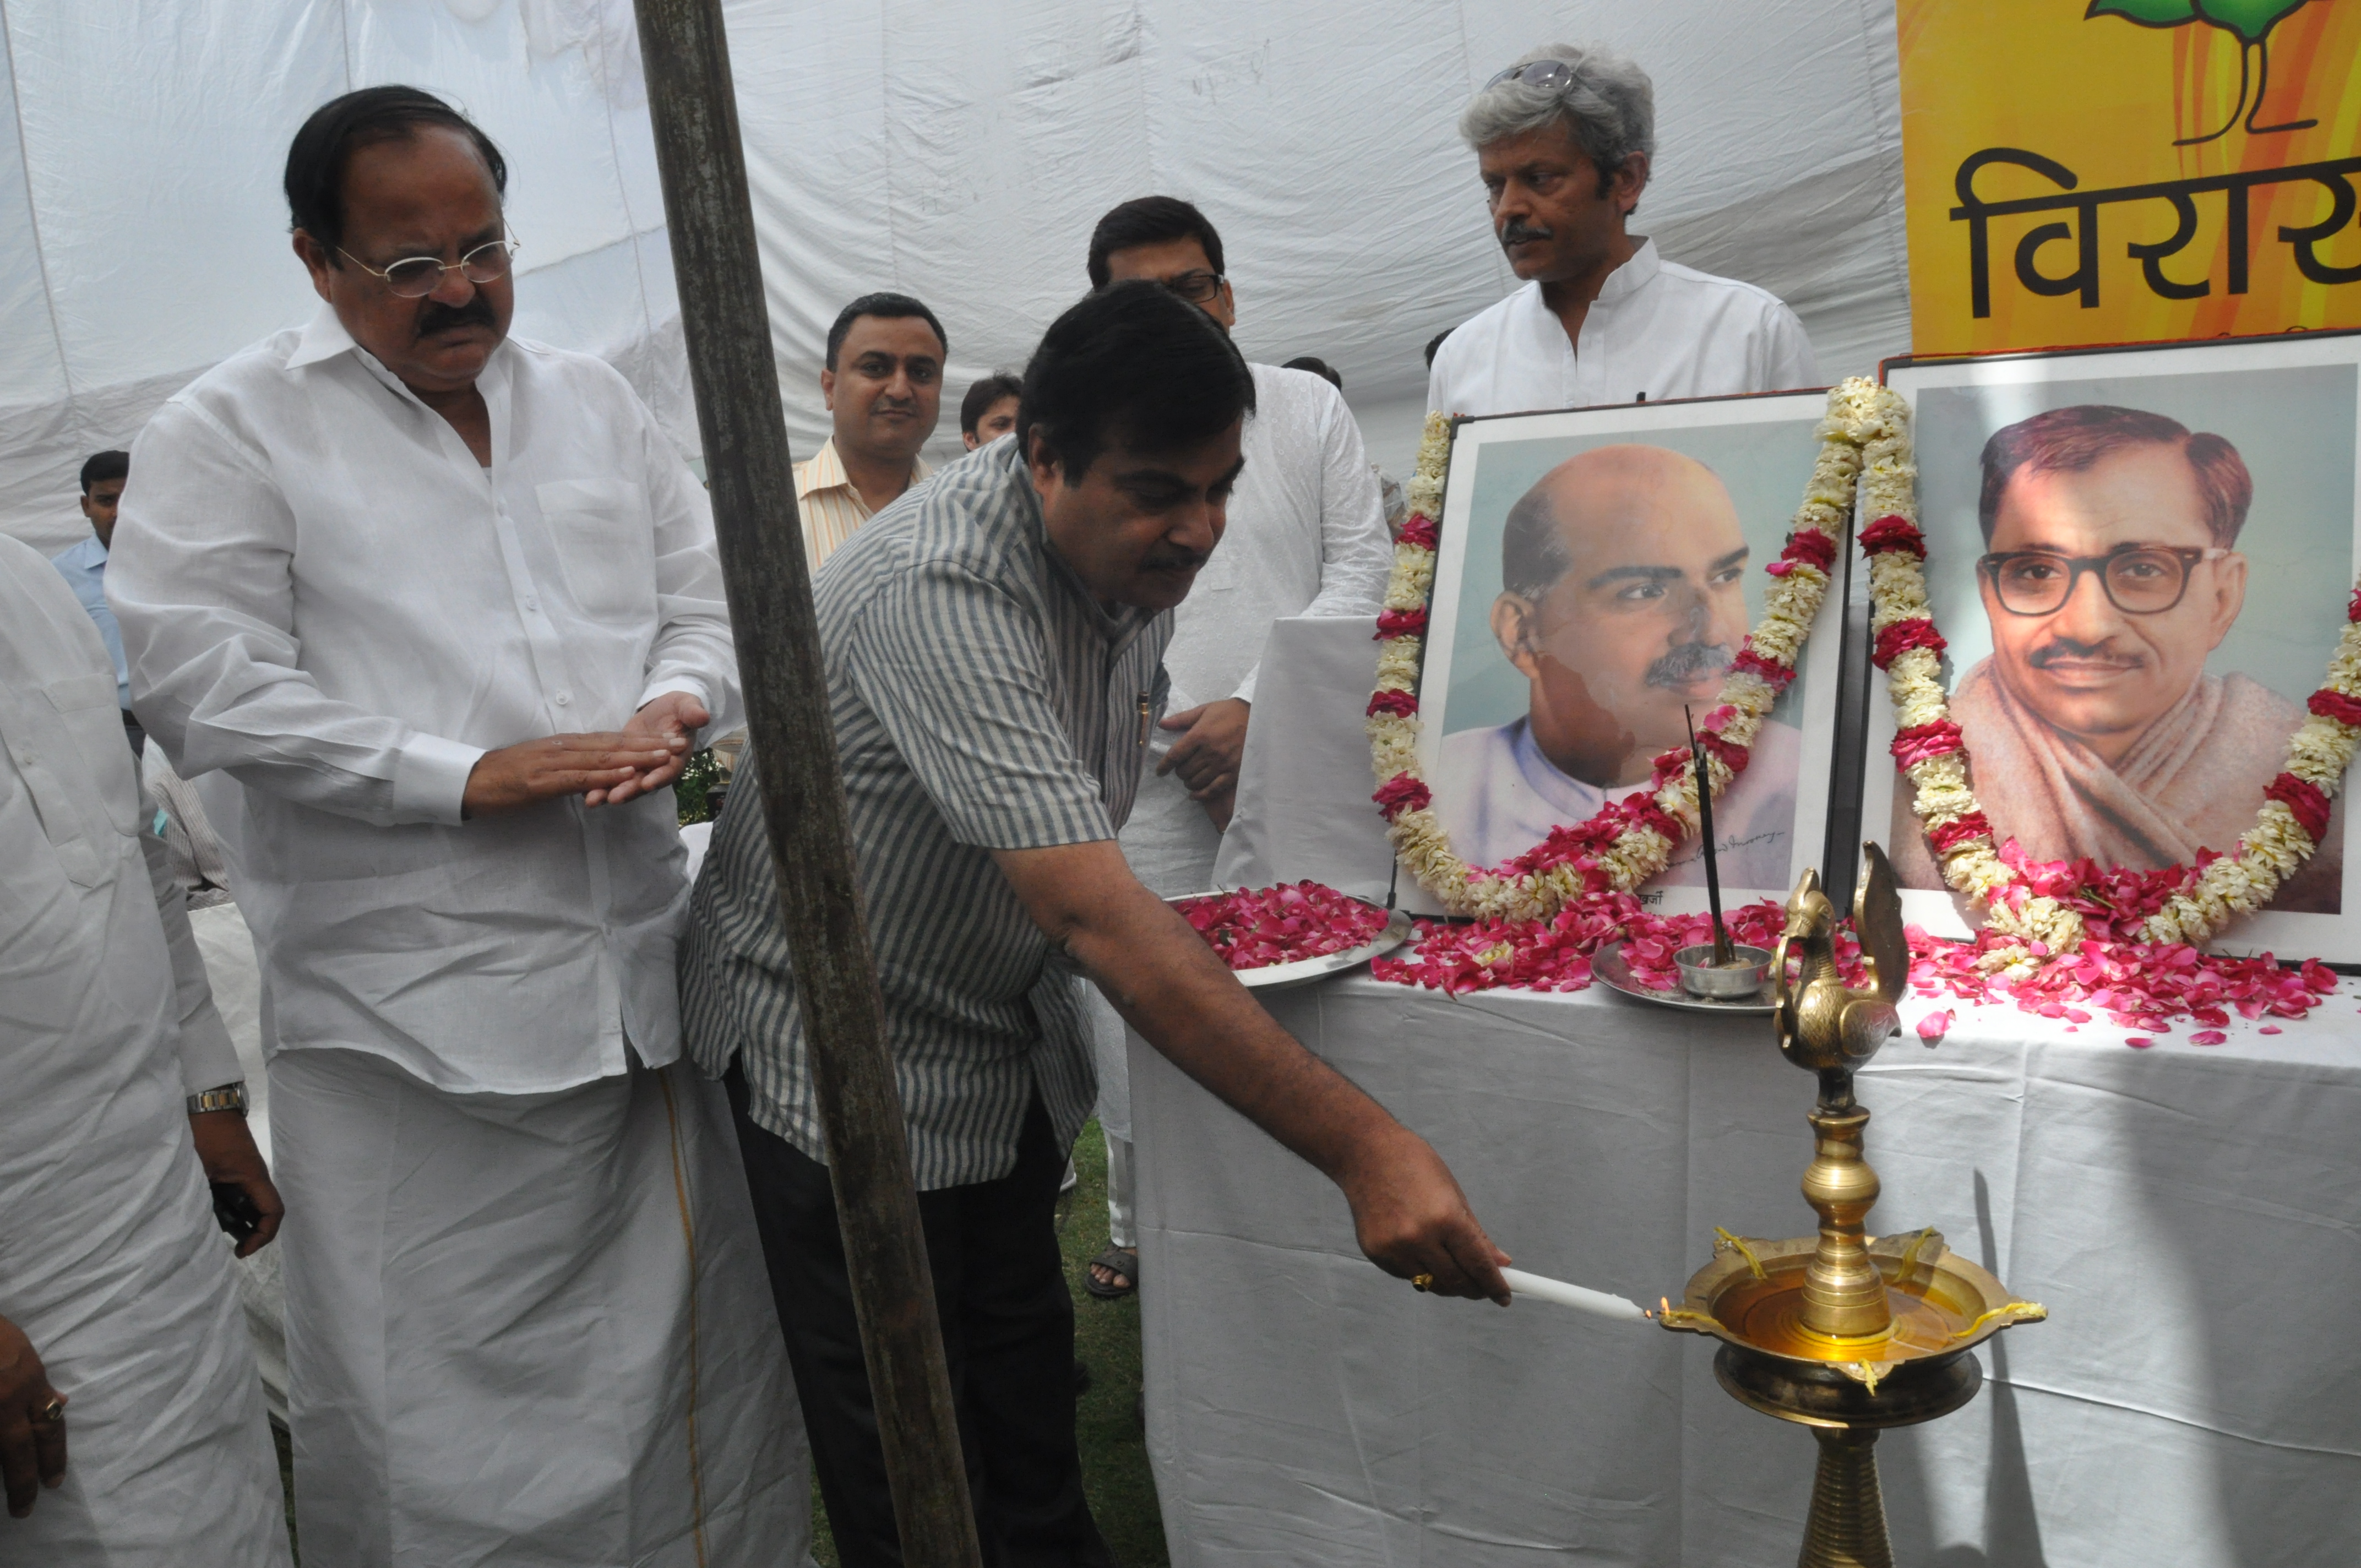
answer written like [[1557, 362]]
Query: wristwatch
[[229, 1097]]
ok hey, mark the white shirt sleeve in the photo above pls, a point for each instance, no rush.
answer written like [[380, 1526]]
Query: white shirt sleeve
[[1789, 361], [202, 579], [1355, 550], [692, 651], [208, 1057]]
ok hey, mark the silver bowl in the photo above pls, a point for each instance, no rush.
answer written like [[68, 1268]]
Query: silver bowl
[[1733, 983]]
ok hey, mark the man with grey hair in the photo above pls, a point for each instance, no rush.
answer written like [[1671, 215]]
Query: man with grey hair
[[1564, 139]]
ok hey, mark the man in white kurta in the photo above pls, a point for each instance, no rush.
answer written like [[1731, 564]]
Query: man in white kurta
[[408, 581], [1307, 536], [111, 1262], [1564, 140]]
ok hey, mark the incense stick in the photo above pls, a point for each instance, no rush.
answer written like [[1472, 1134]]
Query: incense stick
[[1723, 953]]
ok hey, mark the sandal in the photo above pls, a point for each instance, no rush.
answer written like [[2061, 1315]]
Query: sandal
[[1122, 1262]]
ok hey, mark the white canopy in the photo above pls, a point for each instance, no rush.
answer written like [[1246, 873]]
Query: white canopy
[[958, 153]]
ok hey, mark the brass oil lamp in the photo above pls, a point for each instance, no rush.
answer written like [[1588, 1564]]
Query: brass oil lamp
[[1843, 1332]]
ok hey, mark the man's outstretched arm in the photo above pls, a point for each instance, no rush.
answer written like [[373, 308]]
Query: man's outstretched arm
[[1408, 1211]]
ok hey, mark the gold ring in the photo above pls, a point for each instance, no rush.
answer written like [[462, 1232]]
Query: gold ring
[[54, 1411], [1421, 1281]]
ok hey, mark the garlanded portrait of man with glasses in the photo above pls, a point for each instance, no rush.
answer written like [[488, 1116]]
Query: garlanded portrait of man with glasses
[[2111, 572]]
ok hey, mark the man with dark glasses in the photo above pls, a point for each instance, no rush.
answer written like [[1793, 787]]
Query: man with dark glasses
[[2111, 571], [444, 605], [1564, 140]]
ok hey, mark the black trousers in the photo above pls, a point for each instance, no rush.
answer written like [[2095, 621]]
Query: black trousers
[[1008, 1333]]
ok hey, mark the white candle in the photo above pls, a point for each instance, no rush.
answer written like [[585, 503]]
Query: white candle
[[1598, 1303]]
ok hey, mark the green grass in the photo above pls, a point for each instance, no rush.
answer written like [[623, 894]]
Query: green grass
[[1106, 1420]]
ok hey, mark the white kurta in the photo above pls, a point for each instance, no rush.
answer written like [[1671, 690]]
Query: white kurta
[[1306, 536], [1657, 330], [324, 596], [110, 1259], [527, 1316]]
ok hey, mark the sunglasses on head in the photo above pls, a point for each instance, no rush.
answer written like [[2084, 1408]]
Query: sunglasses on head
[[1549, 75]]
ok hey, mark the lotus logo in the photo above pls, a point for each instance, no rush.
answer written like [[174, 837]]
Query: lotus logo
[[2250, 20]]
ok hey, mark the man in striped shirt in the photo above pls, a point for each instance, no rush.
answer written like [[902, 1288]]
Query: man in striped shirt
[[995, 664], [884, 383]]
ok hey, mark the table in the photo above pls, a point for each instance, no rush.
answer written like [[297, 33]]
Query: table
[[2191, 1216]]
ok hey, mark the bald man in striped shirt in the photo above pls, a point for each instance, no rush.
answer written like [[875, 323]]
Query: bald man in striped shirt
[[884, 383], [995, 648]]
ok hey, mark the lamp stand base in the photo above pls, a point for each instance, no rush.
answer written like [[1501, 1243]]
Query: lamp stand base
[[1847, 1527]]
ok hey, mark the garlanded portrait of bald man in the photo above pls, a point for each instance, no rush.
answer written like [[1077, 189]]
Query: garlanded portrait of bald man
[[1623, 600], [2111, 573]]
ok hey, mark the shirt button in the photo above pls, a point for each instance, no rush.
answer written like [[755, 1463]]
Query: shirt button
[[532, 604], [565, 698]]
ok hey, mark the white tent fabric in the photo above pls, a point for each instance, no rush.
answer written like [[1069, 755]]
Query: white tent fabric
[[958, 153]]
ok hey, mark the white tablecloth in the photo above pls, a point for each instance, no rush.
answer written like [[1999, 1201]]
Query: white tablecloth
[[2191, 1217]]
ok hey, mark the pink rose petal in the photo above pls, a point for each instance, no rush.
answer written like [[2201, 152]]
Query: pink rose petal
[[2207, 1037], [1935, 1025]]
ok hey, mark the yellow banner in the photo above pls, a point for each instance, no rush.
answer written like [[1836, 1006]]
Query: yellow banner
[[2140, 171]]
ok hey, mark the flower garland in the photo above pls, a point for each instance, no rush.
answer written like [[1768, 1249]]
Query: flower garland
[[2045, 908], [1630, 840]]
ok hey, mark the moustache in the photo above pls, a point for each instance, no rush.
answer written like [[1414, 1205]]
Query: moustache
[[1175, 559], [1687, 662], [440, 317], [2058, 648], [1519, 231]]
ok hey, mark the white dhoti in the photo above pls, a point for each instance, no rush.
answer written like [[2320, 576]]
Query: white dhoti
[[529, 1328], [110, 1259], [112, 1264]]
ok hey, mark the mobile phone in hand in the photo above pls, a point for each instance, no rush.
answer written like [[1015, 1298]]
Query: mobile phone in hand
[[236, 1210]]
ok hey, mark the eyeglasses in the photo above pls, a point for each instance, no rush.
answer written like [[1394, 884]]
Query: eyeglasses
[[415, 276], [2139, 579], [1549, 75], [1196, 287]]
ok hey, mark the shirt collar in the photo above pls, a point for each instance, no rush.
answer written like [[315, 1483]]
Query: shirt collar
[[324, 338], [1634, 275], [1570, 797], [825, 471]]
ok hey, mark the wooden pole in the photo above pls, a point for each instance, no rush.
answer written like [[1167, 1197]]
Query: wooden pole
[[694, 110]]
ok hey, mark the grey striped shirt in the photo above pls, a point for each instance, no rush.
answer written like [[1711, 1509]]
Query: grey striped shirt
[[981, 700]]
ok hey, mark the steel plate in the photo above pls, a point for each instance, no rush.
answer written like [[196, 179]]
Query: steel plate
[[1304, 971], [1607, 964]]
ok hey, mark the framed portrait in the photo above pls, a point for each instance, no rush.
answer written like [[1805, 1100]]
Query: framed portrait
[[1596, 571], [2140, 559]]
